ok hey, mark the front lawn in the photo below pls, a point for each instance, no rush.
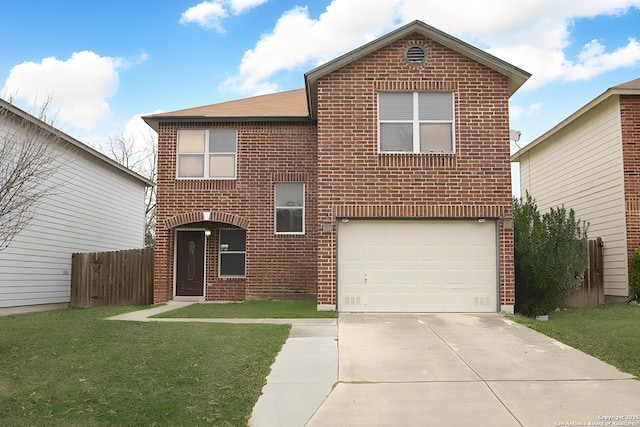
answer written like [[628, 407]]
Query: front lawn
[[251, 309], [72, 368], [609, 332]]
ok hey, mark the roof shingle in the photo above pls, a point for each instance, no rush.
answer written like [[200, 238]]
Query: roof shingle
[[633, 84], [291, 103]]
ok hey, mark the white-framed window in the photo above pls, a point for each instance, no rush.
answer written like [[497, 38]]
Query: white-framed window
[[416, 122], [207, 154], [289, 207], [232, 254]]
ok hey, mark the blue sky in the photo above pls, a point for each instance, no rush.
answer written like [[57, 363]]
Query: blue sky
[[105, 63]]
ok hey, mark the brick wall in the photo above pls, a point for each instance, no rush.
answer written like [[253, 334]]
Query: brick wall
[[355, 180], [277, 266], [344, 175], [630, 122]]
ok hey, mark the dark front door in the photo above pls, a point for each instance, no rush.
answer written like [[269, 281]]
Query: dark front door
[[190, 263]]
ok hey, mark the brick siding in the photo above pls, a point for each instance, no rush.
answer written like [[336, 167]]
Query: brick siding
[[344, 174], [630, 124], [278, 267], [354, 180]]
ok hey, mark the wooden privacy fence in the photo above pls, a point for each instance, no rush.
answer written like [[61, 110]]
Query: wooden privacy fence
[[112, 278], [592, 291]]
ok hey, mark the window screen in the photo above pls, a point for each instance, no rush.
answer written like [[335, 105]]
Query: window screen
[[218, 146], [232, 260], [289, 208], [416, 122]]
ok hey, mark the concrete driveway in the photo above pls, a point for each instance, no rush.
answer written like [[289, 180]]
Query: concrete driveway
[[468, 369]]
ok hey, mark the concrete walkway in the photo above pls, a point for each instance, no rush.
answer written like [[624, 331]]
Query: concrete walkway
[[468, 369], [431, 369], [302, 376]]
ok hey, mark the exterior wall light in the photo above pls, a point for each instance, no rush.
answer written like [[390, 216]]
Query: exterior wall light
[[507, 222]]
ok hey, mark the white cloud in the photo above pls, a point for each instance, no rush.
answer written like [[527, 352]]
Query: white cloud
[[143, 57], [593, 60], [209, 14], [137, 130], [532, 35], [251, 86], [79, 86], [298, 39], [240, 6], [516, 111]]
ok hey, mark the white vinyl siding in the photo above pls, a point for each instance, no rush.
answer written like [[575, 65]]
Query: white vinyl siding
[[94, 208], [581, 167], [417, 266]]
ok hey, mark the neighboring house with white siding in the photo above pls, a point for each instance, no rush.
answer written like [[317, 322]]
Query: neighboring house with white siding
[[97, 205], [591, 162]]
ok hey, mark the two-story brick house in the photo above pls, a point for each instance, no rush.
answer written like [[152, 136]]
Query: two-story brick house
[[383, 185]]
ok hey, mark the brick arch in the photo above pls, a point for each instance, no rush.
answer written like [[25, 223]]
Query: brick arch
[[213, 216]]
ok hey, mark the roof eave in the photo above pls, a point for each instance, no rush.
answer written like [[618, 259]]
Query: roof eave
[[72, 141], [154, 121], [615, 91]]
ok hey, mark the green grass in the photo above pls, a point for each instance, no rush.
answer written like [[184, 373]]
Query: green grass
[[72, 368], [609, 332], [251, 309]]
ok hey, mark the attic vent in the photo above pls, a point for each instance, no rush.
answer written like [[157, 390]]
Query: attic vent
[[415, 55]]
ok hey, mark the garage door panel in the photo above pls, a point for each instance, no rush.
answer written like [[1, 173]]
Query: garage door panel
[[480, 277], [417, 266], [423, 302]]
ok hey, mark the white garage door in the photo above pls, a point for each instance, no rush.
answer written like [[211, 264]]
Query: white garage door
[[417, 266]]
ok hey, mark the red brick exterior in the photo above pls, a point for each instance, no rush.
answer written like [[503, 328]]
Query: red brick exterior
[[345, 176], [630, 127], [354, 180], [281, 267]]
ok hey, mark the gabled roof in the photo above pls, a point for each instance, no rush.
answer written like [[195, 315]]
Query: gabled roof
[[82, 147], [629, 88], [517, 77], [290, 105], [294, 105], [632, 84]]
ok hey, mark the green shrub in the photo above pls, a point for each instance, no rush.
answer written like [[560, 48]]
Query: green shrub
[[550, 255], [635, 272]]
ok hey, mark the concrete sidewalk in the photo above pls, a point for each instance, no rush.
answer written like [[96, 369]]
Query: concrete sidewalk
[[431, 369], [468, 369], [302, 376]]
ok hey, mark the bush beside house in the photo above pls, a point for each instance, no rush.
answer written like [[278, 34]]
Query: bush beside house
[[635, 274], [550, 256]]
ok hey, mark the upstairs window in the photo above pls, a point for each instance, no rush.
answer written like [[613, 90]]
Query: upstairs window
[[207, 154], [416, 122], [289, 208]]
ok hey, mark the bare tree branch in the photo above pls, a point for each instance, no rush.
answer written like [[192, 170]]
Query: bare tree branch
[[27, 163], [141, 156]]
